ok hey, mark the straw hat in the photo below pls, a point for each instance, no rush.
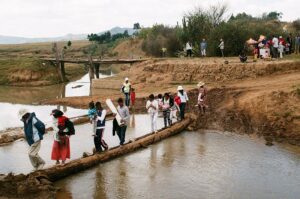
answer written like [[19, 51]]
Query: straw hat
[[200, 84], [22, 112], [179, 88]]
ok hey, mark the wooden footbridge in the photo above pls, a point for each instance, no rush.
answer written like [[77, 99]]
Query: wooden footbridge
[[94, 64]]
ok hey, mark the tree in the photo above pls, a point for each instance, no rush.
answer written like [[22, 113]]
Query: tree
[[296, 25], [136, 26], [274, 15], [69, 44]]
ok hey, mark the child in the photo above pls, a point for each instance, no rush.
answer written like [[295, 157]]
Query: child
[[160, 103], [92, 115], [132, 97], [174, 109]]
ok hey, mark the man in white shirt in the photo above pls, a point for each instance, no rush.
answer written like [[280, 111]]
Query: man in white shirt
[[189, 49], [275, 45], [152, 108]]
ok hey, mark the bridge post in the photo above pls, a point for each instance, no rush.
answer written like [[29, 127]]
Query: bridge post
[[97, 70], [58, 63], [91, 68]]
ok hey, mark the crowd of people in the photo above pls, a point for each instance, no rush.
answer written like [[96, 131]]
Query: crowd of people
[[168, 106], [275, 47]]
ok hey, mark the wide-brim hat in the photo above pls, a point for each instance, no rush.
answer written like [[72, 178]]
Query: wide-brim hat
[[22, 112], [200, 84], [179, 88]]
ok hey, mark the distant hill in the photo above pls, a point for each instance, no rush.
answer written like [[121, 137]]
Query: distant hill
[[71, 37]]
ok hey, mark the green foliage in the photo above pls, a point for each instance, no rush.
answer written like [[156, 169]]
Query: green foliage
[[274, 15], [296, 25], [107, 37], [160, 36], [136, 26], [69, 44]]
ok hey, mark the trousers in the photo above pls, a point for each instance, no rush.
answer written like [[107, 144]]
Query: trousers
[[34, 157]]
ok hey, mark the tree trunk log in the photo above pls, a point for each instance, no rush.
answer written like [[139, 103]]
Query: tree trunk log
[[40, 181]]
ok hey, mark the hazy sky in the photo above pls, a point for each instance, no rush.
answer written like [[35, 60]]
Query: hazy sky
[[48, 18]]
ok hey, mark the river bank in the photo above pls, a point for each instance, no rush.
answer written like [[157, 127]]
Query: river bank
[[254, 98]]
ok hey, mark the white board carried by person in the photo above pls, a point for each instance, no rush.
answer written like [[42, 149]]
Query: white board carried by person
[[114, 110]]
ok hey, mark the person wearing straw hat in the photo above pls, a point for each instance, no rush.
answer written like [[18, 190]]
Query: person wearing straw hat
[[183, 100], [202, 97], [34, 130], [126, 88]]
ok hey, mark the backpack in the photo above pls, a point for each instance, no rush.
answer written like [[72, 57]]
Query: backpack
[[70, 125]]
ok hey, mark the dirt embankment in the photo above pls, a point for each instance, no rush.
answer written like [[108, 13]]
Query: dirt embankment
[[260, 97]]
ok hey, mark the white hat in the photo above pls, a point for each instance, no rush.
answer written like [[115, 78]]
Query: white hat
[[22, 112], [179, 88], [126, 79], [200, 84], [280, 37]]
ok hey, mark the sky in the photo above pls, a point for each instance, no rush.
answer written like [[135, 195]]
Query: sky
[[51, 18]]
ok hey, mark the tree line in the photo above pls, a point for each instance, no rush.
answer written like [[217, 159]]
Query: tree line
[[213, 24]]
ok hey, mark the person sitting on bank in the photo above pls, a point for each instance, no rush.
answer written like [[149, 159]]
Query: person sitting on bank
[[125, 116], [126, 88], [100, 121], [34, 130]]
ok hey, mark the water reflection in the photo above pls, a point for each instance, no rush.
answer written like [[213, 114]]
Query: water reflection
[[13, 99], [195, 165]]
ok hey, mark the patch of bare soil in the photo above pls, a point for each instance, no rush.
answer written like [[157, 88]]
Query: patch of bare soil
[[257, 97]]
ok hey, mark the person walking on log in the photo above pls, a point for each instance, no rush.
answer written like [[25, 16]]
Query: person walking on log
[[183, 101], [202, 97], [92, 115], [100, 121], [34, 130], [168, 102], [126, 88], [125, 116], [152, 108], [61, 144]]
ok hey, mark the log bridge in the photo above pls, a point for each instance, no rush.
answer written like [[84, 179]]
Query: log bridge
[[93, 64], [42, 181]]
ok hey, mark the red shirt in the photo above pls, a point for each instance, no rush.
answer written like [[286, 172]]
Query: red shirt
[[132, 97]]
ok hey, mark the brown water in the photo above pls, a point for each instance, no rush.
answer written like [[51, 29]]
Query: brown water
[[194, 165]]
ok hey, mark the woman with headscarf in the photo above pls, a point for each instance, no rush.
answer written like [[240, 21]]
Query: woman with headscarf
[[61, 144], [183, 100]]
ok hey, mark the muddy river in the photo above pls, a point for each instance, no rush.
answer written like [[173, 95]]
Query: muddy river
[[206, 164]]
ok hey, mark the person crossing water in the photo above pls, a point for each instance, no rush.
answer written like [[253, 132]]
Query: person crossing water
[[34, 130], [152, 109], [100, 127]]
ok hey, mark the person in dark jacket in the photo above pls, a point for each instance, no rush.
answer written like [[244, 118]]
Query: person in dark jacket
[[34, 130], [100, 127]]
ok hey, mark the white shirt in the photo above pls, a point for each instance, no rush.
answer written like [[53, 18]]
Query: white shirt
[[183, 98], [35, 132], [126, 87], [275, 42], [188, 46], [152, 110], [221, 46]]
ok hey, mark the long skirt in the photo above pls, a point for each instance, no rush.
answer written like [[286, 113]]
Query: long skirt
[[61, 150]]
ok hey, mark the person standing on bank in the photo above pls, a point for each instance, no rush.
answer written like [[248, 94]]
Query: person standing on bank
[[183, 101], [189, 49], [100, 121], [126, 88], [202, 102], [34, 130], [203, 47], [125, 116], [152, 108], [222, 46]]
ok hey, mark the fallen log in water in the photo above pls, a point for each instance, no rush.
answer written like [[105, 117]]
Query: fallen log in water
[[40, 181], [14, 134]]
